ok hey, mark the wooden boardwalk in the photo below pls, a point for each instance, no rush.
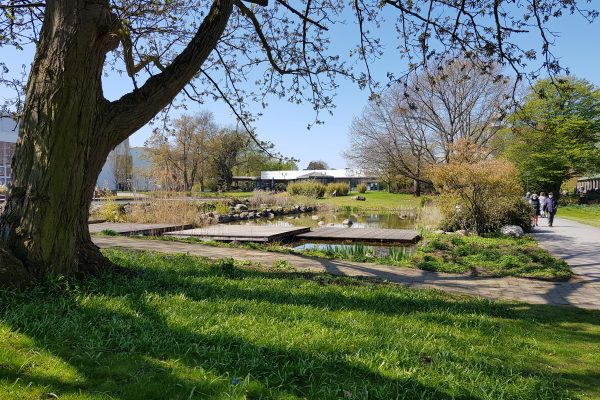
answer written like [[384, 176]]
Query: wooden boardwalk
[[362, 235], [242, 233], [128, 229]]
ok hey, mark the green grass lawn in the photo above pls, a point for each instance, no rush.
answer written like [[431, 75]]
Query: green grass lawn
[[182, 328], [376, 200], [492, 256], [589, 215]]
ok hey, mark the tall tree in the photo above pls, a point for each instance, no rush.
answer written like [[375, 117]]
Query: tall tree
[[68, 127], [415, 125], [555, 135], [317, 164], [226, 149]]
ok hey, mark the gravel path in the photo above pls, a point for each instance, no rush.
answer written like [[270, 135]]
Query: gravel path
[[576, 243]]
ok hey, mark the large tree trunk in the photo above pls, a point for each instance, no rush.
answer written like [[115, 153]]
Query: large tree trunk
[[68, 128], [62, 143]]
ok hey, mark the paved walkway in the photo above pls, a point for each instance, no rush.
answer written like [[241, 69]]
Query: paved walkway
[[577, 244], [577, 292]]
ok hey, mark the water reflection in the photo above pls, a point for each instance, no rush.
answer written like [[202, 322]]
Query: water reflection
[[379, 219]]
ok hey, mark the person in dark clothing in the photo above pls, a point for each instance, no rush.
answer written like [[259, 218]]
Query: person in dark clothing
[[535, 209], [551, 205]]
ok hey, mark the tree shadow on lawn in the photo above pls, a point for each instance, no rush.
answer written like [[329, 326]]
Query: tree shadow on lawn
[[139, 352], [136, 357]]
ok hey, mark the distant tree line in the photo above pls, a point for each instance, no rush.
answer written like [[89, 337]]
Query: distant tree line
[[196, 153], [550, 133]]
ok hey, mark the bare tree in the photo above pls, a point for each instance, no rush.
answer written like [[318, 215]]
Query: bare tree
[[184, 149], [415, 125], [206, 49]]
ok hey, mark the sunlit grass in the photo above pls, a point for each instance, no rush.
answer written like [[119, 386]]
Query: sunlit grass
[[179, 327], [589, 215], [376, 200]]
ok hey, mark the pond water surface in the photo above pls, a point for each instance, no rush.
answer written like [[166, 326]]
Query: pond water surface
[[368, 219]]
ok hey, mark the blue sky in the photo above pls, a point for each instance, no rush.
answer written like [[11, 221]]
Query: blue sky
[[285, 124]]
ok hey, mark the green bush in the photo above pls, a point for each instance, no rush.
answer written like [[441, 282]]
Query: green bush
[[507, 212], [111, 211], [308, 189], [570, 200], [361, 188], [340, 189]]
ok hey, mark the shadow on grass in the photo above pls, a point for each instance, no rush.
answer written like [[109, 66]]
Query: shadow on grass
[[138, 351]]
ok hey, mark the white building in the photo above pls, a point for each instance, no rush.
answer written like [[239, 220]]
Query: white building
[[269, 179], [9, 131]]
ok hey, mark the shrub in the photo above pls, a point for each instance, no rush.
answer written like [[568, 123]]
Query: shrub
[[479, 193], [280, 187], [308, 189], [361, 188], [111, 211], [340, 189], [514, 211]]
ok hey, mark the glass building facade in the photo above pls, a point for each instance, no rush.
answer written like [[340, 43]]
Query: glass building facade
[[8, 136], [6, 153]]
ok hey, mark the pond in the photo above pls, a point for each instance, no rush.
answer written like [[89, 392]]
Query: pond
[[365, 219]]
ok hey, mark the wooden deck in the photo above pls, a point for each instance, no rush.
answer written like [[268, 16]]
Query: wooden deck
[[362, 235], [127, 229], [242, 233]]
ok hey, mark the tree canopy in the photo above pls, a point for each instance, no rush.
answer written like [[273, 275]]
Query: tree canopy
[[412, 126], [556, 134]]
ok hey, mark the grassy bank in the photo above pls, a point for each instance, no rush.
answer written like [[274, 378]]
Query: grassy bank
[[589, 215], [479, 256], [495, 256], [183, 328], [374, 201]]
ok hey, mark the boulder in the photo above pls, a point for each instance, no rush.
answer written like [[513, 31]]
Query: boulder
[[439, 232], [347, 222], [315, 217], [321, 223], [512, 230], [462, 232], [244, 215], [241, 207], [223, 218], [359, 198], [270, 215]]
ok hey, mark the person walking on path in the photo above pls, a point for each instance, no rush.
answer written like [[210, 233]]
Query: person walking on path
[[551, 205], [543, 204], [535, 209]]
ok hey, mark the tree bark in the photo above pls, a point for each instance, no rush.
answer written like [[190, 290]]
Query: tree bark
[[68, 130], [62, 142]]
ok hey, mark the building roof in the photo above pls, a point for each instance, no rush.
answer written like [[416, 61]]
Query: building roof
[[586, 178], [304, 174]]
